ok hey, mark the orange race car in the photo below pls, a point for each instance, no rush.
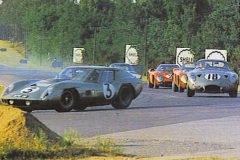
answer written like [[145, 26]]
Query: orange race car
[[161, 76], [179, 81]]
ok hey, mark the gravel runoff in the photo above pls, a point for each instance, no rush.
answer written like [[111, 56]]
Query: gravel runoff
[[214, 137]]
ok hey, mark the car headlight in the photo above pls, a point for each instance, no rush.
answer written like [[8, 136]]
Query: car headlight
[[160, 78], [8, 89], [184, 78], [46, 93], [192, 77], [233, 78]]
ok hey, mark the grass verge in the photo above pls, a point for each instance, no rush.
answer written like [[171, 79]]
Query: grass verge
[[66, 148]]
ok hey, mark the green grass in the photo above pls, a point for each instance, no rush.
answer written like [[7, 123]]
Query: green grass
[[68, 147], [144, 78]]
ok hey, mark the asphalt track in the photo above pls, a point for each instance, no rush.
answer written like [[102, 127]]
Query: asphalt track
[[159, 123]]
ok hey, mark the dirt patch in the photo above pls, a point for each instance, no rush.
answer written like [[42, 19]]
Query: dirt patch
[[20, 129]]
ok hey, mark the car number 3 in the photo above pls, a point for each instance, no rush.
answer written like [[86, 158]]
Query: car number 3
[[30, 90], [108, 91]]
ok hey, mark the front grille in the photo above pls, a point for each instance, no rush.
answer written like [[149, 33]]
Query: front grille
[[212, 88]]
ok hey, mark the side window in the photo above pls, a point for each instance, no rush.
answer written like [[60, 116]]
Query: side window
[[94, 76], [68, 73], [107, 77]]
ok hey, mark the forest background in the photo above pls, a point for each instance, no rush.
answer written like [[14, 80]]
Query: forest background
[[52, 28]]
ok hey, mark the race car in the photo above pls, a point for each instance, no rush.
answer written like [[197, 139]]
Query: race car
[[76, 87], [212, 76], [179, 81], [161, 76], [127, 67]]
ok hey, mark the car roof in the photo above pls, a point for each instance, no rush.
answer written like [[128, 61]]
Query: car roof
[[120, 64], [168, 65], [89, 66], [212, 60]]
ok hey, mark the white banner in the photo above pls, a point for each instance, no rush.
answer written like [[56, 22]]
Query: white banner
[[131, 55], [184, 55], [78, 55], [216, 54]]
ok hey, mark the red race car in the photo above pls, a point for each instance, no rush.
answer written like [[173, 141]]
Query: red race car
[[161, 76], [179, 81]]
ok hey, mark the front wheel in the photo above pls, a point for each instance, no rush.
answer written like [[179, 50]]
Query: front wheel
[[180, 89], [150, 85], [233, 94], [124, 98], [190, 92], [67, 101]]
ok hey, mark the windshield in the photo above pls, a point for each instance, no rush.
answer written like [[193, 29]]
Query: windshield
[[212, 64], [166, 67], [188, 66], [123, 67], [81, 74]]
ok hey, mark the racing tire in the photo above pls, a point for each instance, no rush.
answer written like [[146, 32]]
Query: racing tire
[[174, 87], [190, 92], [233, 94], [156, 86], [181, 89], [67, 101], [124, 98], [150, 85]]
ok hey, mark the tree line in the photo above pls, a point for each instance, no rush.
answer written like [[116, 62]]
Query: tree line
[[50, 29]]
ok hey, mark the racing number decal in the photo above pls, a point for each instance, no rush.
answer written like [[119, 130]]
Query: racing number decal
[[30, 89], [108, 90]]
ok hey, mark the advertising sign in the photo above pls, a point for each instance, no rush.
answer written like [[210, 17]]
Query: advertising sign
[[184, 55], [216, 54], [78, 55], [131, 55]]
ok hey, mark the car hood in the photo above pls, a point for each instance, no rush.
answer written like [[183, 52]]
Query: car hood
[[210, 70], [48, 82]]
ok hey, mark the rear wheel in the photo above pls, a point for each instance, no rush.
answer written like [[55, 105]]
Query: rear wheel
[[233, 94], [190, 92], [124, 98], [67, 101]]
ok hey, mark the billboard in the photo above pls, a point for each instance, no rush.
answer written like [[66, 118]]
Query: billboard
[[131, 55], [216, 54], [78, 55], [184, 55]]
